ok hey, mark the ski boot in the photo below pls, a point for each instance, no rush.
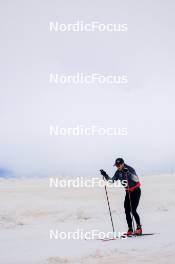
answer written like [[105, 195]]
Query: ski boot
[[138, 231], [129, 233]]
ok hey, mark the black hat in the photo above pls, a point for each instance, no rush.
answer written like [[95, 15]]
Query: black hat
[[118, 161]]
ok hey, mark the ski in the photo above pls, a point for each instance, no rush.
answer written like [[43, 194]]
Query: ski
[[148, 234], [125, 237], [144, 234]]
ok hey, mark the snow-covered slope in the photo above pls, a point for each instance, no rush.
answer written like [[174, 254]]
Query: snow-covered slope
[[29, 209]]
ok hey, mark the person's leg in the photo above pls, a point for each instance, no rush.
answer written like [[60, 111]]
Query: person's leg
[[128, 212], [135, 197]]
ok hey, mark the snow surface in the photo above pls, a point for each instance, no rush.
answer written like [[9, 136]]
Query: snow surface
[[29, 209]]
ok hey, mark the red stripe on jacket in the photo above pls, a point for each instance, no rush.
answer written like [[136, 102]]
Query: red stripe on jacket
[[131, 189]]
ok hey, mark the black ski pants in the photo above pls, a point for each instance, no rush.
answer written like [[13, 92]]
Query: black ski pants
[[130, 204]]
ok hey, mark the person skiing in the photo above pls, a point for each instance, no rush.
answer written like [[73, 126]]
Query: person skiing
[[128, 177]]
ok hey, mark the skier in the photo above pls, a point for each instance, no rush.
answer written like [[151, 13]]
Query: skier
[[127, 174]]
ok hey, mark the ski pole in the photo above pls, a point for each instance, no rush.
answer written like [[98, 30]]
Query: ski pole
[[133, 225], [109, 207], [131, 212]]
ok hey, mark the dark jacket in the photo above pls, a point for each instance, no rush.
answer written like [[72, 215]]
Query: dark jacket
[[128, 178]]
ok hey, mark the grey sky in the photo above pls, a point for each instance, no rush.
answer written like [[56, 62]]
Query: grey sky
[[29, 104]]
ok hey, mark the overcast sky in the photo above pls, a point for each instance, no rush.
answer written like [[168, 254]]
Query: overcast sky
[[29, 104]]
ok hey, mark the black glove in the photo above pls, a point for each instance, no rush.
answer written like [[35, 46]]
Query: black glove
[[104, 174]]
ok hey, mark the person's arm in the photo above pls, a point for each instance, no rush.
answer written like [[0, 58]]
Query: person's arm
[[132, 171], [133, 175], [107, 178]]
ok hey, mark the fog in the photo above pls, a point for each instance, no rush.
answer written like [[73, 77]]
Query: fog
[[29, 104]]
